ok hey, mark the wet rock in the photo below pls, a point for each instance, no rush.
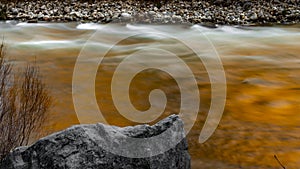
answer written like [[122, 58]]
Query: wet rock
[[82, 146], [67, 10], [14, 11], [247, 5], [77, 14], [43, 7], [126, 15], [177, 18], [39, 16], [32, 21], [152, 13], [253, 16], [101, 15]]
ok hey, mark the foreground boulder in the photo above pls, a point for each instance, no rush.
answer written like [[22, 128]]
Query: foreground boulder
[[86, 146]]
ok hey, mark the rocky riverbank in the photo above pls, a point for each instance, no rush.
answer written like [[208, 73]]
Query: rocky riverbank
[[232, 12]]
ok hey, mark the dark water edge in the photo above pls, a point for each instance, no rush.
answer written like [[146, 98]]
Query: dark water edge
[[206, 25]]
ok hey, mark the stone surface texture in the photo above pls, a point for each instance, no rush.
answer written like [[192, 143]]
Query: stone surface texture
[[81, 147]]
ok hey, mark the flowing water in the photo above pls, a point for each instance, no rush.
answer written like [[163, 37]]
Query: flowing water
[[262, 66]]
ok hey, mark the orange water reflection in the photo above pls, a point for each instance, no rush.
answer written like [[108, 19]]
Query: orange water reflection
[[261, 116]]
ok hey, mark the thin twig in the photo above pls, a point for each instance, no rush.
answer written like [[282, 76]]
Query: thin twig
[[279, 162]]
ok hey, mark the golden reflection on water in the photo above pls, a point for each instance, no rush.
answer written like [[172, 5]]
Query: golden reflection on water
[[261, 116]]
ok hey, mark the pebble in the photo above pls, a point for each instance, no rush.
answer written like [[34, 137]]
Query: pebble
[[253, 16], [14, 11], [152, 13], [100, 15], [125, 15]]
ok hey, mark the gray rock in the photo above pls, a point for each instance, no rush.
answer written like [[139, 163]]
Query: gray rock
[[247, 5], [77, 14], [125, 15], [67, 10], [115, 17], [152, 13], [177, 18], [158, 16], [43, 7], [14, 11], [253, 16], [83, 146], [101, 15], [39, 16]]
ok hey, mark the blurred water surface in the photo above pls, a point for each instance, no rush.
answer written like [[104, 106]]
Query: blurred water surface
[[262, 66]]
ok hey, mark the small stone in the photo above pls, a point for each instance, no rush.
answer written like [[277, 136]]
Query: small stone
[[125, 15], [39, 16], [152, 13], [14, 11], [46, 12], [253, 16], [55, 11], [115, 17], [46, 18], [177, 18], [77, 14], [110, 13], [101, 15], [67, 10], [43, 7], [247, 5]]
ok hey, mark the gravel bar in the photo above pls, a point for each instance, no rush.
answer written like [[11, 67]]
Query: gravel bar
[[221, 12]]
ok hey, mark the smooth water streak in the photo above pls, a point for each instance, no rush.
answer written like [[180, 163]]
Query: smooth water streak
[[215, 73]]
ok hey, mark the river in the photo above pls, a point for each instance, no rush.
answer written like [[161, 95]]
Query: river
[[262, 67]]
